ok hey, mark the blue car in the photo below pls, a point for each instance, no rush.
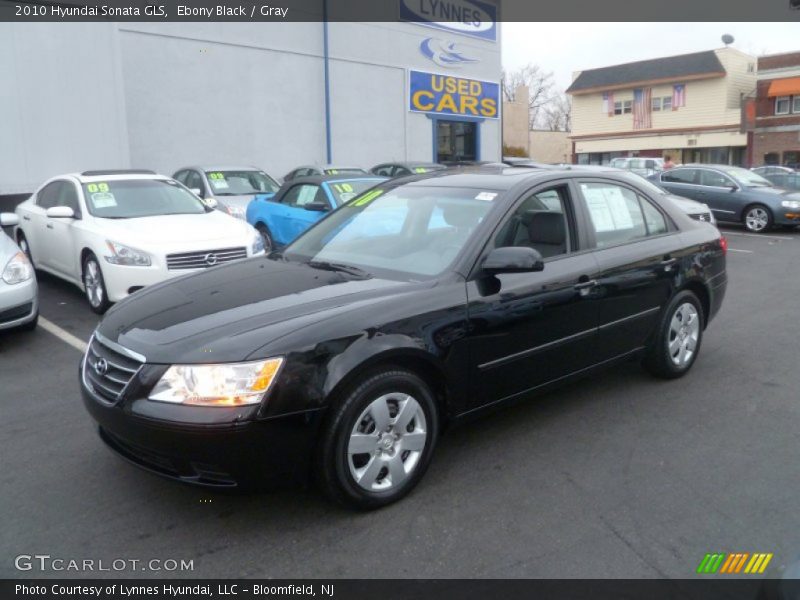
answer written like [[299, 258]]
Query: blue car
[[301, 202]]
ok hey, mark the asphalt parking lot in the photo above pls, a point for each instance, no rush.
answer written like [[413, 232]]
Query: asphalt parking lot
[[620, 476]]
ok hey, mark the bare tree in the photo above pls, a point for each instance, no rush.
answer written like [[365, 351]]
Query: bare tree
[[540, 84], [557, 114]]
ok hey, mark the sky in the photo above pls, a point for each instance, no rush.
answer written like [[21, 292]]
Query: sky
[[566, 47]]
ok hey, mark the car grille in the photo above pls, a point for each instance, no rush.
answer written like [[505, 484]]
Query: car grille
[[12, 314], [107, 371], [204, 258]]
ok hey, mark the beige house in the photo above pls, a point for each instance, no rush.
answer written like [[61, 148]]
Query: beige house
[[539, 145], [686, 106]]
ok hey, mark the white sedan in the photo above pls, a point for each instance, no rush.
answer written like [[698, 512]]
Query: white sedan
[[112, 233]]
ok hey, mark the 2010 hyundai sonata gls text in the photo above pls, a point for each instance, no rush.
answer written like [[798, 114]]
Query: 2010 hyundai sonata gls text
[[417, 303]]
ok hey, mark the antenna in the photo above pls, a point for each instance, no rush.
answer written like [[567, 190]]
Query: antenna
[[727, 39]]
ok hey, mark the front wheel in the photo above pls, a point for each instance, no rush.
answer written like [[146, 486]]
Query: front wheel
[[269, 245], [378, 441], [674, 349], [758, 218], [94, 285]]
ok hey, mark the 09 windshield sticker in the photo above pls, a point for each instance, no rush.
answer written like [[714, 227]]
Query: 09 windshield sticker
[[218, 181], [93, 188], [420, 170]]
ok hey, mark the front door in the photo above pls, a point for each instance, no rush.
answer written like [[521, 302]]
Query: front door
[[456, 141], [527, 329]]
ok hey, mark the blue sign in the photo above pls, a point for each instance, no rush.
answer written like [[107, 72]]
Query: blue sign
[[469, 17], [449, 95]]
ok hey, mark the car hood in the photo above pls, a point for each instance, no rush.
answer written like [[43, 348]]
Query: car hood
[[239, 201], [174, 230], [229, 313]]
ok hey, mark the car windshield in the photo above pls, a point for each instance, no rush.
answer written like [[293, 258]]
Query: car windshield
[[408, 232], [747, 178], [131, 198], [344, 171], [241, 183], [346, 190]]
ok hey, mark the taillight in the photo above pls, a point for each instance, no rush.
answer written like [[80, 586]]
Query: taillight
[[723, 243]]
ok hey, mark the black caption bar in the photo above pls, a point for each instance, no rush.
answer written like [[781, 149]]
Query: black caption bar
[[388, 589], [391, 10]]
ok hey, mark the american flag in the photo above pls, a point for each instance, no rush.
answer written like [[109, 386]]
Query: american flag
[[608, 103], [642, 105], [678, 96]]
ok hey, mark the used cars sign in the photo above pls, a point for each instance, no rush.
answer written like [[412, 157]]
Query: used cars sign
[[448, 95], [470, 17]]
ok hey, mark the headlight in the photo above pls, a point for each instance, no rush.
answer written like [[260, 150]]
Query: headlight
[[258, 244], [235, 211], [18, 269], [231, 384], [125, 255], [793, 204]]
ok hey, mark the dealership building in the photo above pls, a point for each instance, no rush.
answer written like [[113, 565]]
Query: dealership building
[[80, 96]]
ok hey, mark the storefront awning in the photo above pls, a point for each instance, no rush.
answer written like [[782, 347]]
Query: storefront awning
[[784, 87]]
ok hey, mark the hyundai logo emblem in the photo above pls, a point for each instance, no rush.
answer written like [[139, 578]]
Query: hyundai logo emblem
[[211, 259], [101, 366]]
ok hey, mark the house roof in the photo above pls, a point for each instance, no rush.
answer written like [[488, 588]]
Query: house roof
[[670, 68]]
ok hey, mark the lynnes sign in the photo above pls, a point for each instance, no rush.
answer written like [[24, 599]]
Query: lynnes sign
[[470, 17]]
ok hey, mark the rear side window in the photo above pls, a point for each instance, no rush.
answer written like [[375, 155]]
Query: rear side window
[[714, 179], [619, 215], [680, 176]]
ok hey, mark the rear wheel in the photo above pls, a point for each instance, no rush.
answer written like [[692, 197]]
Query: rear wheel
[[378, 441], [757, 218], [94, 285], [269, 246], [677, 342]]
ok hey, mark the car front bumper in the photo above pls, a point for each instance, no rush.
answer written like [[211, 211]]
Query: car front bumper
[[121, 281], [19, 303], [248, 453]]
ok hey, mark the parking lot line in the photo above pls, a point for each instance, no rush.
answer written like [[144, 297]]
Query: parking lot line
[[63, 335], [737, 250], [760, 235]]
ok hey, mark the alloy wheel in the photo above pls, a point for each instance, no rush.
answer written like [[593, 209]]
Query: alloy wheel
[[93, 283], [684, 333], [387, 442], [756, 219]]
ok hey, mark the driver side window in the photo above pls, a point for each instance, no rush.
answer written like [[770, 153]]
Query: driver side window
[[539, 222], [48, 196], [300, 195]]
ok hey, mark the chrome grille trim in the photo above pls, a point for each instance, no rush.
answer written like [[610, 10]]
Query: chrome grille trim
[[197, 259], [122, 366]]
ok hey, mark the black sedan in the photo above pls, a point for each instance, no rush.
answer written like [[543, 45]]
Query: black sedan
[[418, 303]]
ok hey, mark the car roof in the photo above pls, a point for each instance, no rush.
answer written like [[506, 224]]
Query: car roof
[[222, 168], [498, 177], [318, 179], [92, 176]]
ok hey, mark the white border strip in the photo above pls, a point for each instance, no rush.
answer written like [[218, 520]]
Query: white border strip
[[63, 335]]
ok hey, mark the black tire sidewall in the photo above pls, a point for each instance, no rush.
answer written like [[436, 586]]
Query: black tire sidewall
[[105, 303], [265, 233], [339, 482], [27, 249], [659, 361]]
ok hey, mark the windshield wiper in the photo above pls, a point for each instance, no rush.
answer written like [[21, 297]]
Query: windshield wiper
[[330, 266]]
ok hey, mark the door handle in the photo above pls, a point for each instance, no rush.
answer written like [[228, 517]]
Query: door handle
[[668, 262], [26, 218], [585, 287], [49, 226]]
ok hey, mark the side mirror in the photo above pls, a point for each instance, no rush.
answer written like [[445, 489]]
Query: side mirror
[[316, 206], [210, 202], [8, 220], [197, 192], [733, 187], [60, 212], [513, 259]]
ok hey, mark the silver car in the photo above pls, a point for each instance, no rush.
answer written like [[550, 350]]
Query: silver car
[[19, 303], [229, 189]]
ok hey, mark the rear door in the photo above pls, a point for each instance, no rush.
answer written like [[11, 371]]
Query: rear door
[[638, 250], [528, 329]]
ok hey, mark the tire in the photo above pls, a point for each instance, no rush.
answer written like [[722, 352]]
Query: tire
[[397, 449], [677, 342], [757, 218], [23, 244], [269, 245], [94, 286]]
